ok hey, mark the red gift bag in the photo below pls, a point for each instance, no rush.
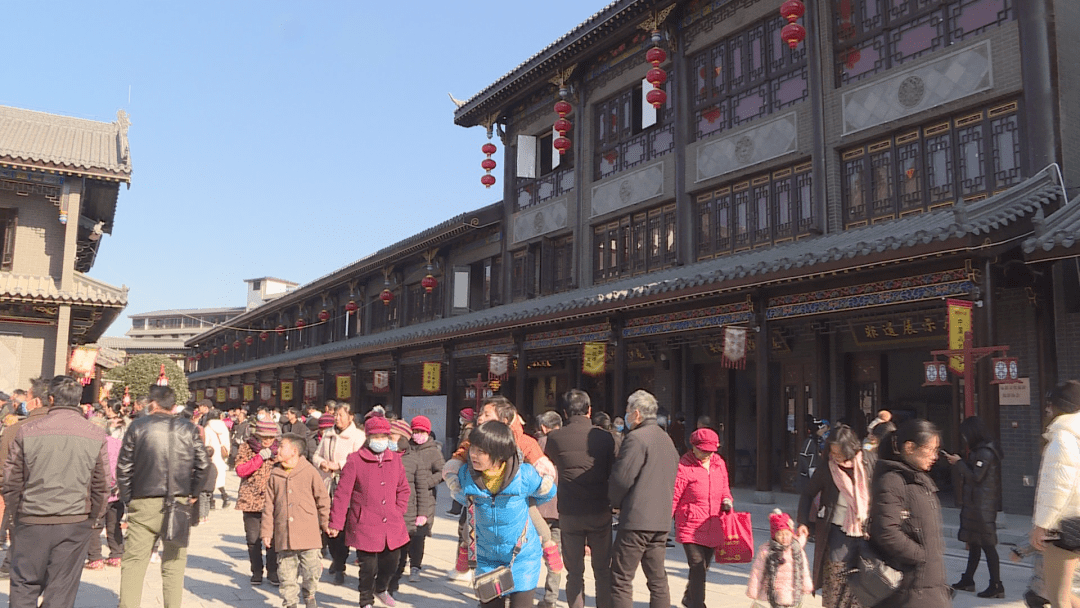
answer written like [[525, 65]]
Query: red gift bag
[[738, 543]]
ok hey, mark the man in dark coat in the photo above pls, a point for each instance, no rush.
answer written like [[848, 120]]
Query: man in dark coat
[[56, 483], [642, 486], [583, 455]]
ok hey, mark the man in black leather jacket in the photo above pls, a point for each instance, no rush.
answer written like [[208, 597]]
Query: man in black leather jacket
[[161, 454]]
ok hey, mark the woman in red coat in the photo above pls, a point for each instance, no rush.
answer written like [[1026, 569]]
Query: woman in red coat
[[369, 505], [701, 494]]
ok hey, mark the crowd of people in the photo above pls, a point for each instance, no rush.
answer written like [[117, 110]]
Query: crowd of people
[[320, 482]]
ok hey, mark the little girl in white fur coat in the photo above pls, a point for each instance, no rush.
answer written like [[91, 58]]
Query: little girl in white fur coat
[[781, 572]]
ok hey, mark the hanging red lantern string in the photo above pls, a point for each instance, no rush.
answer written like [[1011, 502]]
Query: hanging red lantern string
[[792, 33], [264, 335], [386, 296], [429, 283], [488, 164], [249, 340], [562, 125], [352, 306], [324, 315], [656, 76]]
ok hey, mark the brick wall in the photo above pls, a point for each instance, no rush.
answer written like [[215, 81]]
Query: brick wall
[[39, 239], [1021, 426]]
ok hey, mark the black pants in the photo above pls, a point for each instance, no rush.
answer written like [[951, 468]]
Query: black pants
[[114, 535], [579, 531], [993, 563], [698, 558], [339, 552], [376, 570], [253, 534], [633, 547], [412, 555], [47, 563], [519, 599]]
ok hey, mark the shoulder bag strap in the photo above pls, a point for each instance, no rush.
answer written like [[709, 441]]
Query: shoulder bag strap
[[521, 539], [168, 468]]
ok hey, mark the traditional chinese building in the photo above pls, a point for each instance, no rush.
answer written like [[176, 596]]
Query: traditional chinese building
[[60, 178], [825, 191]]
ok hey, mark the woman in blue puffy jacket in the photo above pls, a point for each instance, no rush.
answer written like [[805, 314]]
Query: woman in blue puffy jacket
[[496, 487]]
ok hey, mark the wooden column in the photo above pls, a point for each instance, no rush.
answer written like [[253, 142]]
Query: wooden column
[[395, 393], [764, 494], [358, 382], [522, 371], [618, 384], [452, 430]]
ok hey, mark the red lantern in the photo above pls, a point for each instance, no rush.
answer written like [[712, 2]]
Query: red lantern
[[563, 107], [324, 315], [249, 340], [488, 164], [851, 58], [935, 374], [792, 10], [353, 306], [236, 345], [300, 323], [264, 335], [656, 56], [656, 77], [562, 126], [561, 144], [198, 356], [793, 34], [657, 97], [280, 329], [215, 350], [429, 283], [386, 294]]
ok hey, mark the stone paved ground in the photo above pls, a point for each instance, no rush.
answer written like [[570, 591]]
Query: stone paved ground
[[217, 572]]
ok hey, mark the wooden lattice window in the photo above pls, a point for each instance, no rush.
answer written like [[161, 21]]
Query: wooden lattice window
[[8, 224], [875, 35], [645, 241], [974, 155]]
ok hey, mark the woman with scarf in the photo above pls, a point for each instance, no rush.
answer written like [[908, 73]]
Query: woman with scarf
[[844, 486], [255, 459]]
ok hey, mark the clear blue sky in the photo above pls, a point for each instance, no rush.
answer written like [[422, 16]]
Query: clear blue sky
[[271, 138]]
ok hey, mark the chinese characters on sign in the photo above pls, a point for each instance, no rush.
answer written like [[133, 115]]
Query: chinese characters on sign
[[380, 382], [249, 392], [311, 389], [234, 393], [221, 395], [959, 324], [265, 391], [1016, 393], [498, 367], [432, 377], [897, 330], [593, 358], [344, 386], [286, 390]]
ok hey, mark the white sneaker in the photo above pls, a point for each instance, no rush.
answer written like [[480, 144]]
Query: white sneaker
[[414, 575], [461, 576], [155, 558], [386, 599]]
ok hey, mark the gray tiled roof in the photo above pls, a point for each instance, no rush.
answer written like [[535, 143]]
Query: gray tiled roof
[[75, 144], [942, 225], [188, 311], [37, 288], [1060, 229], [550, 58]]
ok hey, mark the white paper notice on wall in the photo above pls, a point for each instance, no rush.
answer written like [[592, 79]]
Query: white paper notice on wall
[[526, 156], [648, 112], [1015, 393]]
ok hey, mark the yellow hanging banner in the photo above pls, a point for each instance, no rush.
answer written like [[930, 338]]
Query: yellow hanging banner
[[432, 377], [594, 358], [221, 395], [344, 386], [286, 390], [959, 325], [249, 392]]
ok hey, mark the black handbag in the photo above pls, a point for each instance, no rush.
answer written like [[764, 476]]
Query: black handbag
[[500, 581], [872, 581], [1069, 534], [176, 518]]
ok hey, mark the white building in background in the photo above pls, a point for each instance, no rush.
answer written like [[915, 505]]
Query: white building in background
[[262, 290]]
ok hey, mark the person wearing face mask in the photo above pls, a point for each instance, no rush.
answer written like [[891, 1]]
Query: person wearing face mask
[[844, 485], [423, 462], [905, 516], [338, 441], [642, 485], [369, 506]]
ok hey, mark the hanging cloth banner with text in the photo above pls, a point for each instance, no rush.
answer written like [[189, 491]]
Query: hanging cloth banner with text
[[249, 392], [221, 395], [959, 324], [498, 367], [286, 390], [734, 356], [432, 377], [380, 382], [311, 389], [265, 391], [594, 358], [344, 386]]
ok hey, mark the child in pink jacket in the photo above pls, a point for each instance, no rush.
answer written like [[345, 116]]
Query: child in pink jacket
[[781, 572]]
